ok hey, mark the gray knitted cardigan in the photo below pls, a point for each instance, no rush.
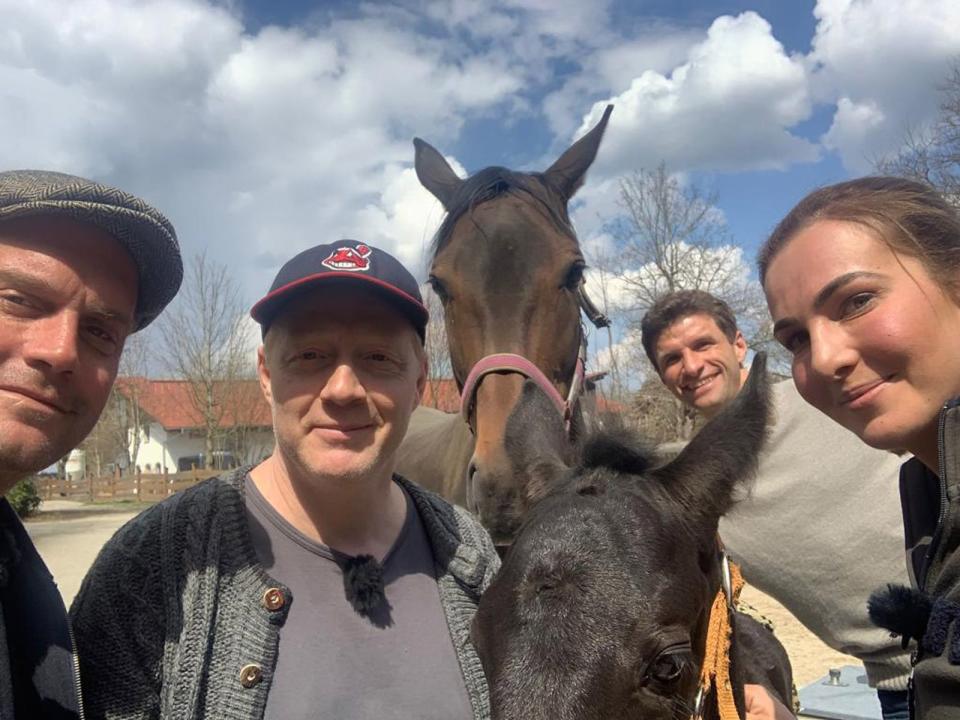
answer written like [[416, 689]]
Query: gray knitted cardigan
[[176, 618]]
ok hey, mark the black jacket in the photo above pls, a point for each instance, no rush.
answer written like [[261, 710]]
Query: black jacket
[[931, 515], [38, 669]]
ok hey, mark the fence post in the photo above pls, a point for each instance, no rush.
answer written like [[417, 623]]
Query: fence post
[[138, 487], [92, 496]]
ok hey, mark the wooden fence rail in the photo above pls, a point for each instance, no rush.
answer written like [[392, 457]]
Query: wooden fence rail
[[140, 487]]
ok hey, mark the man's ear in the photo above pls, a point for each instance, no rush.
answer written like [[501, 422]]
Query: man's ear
[[740, 347], [422, 378], [263, 375]]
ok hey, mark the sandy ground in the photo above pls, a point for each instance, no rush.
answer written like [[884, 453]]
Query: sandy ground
[[69, 544], [810, 658]]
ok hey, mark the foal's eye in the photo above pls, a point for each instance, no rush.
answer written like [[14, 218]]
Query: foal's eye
[[667, 669], [574, 276]]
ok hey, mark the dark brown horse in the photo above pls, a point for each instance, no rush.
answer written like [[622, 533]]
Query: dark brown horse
[[509, 270], [601, 607]]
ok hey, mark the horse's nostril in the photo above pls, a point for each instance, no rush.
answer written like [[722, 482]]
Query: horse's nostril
[[471, 488]]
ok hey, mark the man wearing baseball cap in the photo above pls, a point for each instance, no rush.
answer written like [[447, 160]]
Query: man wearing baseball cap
[[318, 583], [82, 265]]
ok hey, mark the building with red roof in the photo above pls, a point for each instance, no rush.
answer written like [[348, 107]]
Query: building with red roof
[[172, 427]]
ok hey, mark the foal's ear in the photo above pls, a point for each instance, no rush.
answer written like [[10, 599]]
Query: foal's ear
[[567, 173], [536, 441], [705, 475], [435, 173]]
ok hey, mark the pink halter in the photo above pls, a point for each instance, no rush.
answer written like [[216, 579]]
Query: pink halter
[[510, 363]]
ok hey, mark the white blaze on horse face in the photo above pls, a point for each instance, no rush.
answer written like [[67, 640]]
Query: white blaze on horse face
[[699, 364]]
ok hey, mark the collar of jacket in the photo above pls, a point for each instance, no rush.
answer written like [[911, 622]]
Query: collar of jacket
[[948, 448], [460, 556]]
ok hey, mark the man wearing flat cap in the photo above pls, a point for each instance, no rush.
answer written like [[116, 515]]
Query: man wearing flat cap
[[82, 266], [318, 583]]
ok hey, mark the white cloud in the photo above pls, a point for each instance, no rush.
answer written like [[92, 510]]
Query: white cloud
[[881, 61], [613, 66], [853, 132], [728, 107], [624, 355], [407, 212], [256, 145]]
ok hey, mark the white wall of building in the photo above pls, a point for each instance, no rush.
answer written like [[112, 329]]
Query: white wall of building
[[161, 450]]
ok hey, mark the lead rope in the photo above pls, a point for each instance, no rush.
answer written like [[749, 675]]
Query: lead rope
[[715, 672]]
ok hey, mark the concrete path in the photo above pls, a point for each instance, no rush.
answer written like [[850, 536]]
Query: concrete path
[[69, 545]]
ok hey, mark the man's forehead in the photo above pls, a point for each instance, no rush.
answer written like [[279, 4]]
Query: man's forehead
[[97, 257], [687, 328]]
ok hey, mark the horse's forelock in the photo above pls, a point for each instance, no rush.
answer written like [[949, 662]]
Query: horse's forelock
[[493, 182]]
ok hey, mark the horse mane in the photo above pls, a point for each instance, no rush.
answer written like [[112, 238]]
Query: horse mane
[[492, 182]]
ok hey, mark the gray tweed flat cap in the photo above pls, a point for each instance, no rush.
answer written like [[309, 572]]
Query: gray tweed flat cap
[[146, 234]]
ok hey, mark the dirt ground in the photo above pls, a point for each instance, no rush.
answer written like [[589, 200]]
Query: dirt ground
[[810, 658], [69, 536]]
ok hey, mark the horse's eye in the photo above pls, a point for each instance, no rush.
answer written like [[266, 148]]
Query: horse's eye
[[574, 276], [438, 288], [668, 668]]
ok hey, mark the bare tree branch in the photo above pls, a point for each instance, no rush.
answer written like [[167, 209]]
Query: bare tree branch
[[932, 154], [207, 345], [436, 347]]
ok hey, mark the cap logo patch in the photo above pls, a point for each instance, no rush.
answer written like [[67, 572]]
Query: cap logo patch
[[349, 259]]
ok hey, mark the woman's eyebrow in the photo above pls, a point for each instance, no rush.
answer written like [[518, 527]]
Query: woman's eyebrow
[[826, 292], [838, 282]]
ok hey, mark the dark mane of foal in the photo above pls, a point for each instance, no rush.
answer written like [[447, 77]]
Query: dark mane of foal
[[492, 182], [619, 457], [617, 449]]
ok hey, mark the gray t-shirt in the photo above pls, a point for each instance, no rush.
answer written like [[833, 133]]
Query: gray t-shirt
[[335, 663]]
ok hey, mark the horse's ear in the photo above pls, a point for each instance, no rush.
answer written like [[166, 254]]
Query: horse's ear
[[567, 173], [704, 477], [435, 173]]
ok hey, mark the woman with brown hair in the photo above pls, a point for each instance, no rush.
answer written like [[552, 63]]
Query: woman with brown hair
[[863, 282]]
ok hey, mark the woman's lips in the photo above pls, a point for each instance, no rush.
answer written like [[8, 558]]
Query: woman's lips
[[863, 394]]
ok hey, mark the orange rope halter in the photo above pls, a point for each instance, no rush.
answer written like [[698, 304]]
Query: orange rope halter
[[715, 672]]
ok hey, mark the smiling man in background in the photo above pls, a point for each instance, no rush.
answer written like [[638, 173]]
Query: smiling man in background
[[821, 528], [82, 266]]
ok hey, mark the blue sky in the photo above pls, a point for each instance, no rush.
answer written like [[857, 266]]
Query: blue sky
[[261, 127]]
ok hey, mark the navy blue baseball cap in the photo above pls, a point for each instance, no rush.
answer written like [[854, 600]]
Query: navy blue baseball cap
[[344, 260]]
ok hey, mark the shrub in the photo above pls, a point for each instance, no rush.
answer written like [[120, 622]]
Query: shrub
[[24, 497]]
